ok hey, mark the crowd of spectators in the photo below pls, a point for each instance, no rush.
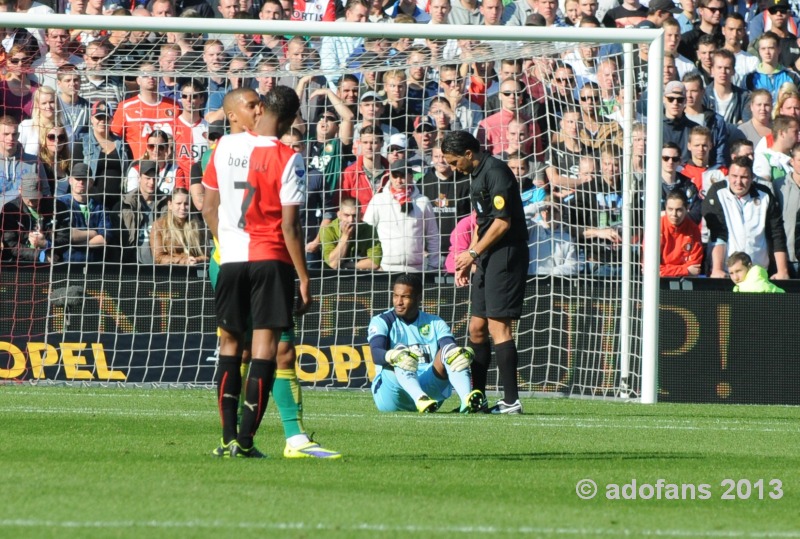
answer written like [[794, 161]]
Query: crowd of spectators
[[105, 132]]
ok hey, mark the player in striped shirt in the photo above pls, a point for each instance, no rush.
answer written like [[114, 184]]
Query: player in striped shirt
[[254, 188]]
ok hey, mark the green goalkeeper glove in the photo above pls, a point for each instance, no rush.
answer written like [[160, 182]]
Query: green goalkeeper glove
[[403, 359], [460, 358]]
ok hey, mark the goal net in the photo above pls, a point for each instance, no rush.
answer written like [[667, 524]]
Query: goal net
[[107, 280]]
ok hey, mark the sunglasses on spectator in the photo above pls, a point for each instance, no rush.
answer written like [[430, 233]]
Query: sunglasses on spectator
[[520, 93], [17, 61], [673, 99], [158, 147], [191, 96], [718, 9], [396, 149], [52, 137], [673, 158], [329, 118], [96, 58], [588, 98], [778, 9], [450, 82]]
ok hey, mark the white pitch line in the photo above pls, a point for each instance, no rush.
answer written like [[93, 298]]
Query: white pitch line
[[387, 528]]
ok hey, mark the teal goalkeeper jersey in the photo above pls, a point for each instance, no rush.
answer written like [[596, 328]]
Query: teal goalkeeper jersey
[[426, 332]]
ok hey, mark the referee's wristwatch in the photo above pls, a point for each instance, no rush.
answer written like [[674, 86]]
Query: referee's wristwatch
[[474, 254]]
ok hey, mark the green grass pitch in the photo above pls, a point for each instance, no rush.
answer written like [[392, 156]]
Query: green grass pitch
[[86, 462]]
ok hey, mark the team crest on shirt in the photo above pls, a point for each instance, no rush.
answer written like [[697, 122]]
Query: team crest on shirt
[[425, 330], [372, 331], [170, 113], [687, 247], [499, 202]]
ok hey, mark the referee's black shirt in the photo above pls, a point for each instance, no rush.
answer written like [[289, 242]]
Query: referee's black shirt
[[494, 192]]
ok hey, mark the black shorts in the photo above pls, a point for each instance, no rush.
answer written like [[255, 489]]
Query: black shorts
[[263, 290], [498, 285]]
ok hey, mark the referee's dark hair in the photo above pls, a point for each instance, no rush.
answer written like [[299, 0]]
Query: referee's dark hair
[[282, 102], [458, 142], [409, 279]]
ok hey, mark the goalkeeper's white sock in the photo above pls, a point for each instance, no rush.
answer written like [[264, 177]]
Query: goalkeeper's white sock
[[410, 383], [461, 382]]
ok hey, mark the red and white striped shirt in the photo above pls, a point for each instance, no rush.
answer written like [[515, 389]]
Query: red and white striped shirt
[[134, 120], [191, 140], [314, 10], [255, 176]]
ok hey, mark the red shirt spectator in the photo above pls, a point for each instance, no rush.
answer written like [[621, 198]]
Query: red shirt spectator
[[140, 115]]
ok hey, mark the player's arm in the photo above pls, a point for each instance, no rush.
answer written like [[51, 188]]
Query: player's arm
[[292, 196], [379, 345], [211, 210], [399, 357], [293, 236]]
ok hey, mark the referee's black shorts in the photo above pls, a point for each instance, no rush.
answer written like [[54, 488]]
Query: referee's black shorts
[[498, 285], [262, 289]]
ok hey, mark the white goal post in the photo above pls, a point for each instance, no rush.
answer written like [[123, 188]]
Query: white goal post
[[649, 291]]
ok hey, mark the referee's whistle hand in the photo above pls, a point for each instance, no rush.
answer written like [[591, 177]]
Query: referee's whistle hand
[[463, 260]]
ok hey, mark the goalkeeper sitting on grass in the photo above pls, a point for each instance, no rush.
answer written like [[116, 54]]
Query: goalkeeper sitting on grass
[[417, 360]]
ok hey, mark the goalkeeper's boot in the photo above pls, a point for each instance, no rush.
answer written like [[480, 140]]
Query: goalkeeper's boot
[[310, 450], [503, 408], [239, 452], [426, 405], [223, 450], [476, 402]]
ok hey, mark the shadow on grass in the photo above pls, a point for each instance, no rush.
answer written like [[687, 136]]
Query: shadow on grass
[[585, 456]]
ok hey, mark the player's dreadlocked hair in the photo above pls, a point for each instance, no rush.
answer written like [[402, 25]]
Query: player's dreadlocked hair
[[458, 142], [283, 102], [409, 279]]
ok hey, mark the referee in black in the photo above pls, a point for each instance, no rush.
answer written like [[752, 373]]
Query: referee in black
[[499, 250]]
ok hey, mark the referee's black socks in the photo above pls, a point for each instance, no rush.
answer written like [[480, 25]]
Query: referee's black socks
[[507, 361], [229, 386], [256, 392], [480, 364]]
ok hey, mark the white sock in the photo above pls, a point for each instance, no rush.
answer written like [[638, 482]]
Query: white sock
[[297, 440]]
